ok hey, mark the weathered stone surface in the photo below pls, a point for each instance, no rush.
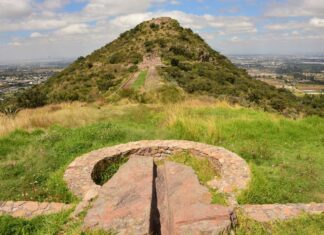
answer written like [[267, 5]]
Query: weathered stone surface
[[234, 171], [272, 212], [184, 204], [124, 202], [30, 209]]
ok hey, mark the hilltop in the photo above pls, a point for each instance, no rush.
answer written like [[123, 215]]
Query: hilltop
[[156, 61]]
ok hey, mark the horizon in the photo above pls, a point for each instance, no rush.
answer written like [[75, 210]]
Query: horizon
[[71, 59], [43, 29]]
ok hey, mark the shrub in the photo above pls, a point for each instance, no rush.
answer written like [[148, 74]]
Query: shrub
[[105, 82], [90, 65], [154, 27], [135, 58], [174, 62], [170, 94], [133, 69], [32, 98], [117, 58], [179, 50]]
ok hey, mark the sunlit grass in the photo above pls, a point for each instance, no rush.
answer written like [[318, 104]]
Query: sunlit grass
[[140, 81], [285, 155]]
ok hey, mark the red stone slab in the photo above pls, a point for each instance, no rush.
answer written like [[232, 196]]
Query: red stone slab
[[124, 202], [184, 204]]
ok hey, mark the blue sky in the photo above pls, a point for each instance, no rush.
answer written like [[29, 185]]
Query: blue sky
[[32, 29]]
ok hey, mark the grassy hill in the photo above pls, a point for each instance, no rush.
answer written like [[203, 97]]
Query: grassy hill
[[201, 96], [190, 66]]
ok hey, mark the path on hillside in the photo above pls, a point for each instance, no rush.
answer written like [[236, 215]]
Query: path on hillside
[[128, 84], [153, 79]]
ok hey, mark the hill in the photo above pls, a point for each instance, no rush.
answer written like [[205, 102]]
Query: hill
[[159, 60]]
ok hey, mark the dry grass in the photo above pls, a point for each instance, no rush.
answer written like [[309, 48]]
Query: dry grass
[[66, 114], [78, 114]]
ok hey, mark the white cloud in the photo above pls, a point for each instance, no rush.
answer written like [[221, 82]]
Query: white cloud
[[37, 35], [14, 8], [293, 8], [73, 29], [15, 44], [105, 8], [286, 26], [316, 22], [235, 39], [32, 24]]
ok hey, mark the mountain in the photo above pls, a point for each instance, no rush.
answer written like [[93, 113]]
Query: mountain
[[160, 60]]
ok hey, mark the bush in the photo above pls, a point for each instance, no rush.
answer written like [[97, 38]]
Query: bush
[[170, 94], [105, 82], [32, 98], [154, 27], [179, 50], [117, 58], [133, 69], [174, 62], [135, 58]]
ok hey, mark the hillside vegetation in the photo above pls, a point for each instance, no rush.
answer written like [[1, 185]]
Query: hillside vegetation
[[190, 66]]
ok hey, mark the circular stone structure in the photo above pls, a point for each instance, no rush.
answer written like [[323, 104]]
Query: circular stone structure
[[234, 171]]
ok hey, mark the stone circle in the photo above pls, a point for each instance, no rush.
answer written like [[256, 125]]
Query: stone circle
[[234, 171]]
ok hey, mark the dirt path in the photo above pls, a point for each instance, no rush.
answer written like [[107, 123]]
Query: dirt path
[[153, 80], [130, 81]]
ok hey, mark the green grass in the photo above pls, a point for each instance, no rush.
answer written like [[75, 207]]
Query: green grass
[[204, 171], [302, 225], [59, 223], [34, 168], [286, 156], [110, 170], [202, 167], [140, 81], [42, 225]]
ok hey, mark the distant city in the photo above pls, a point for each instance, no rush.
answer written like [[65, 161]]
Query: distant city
[[300, 74], [26, 74]]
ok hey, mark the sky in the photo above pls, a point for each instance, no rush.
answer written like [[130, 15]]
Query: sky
[[44, 29]]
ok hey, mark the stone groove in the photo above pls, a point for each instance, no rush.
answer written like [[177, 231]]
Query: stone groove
[[234, 171]]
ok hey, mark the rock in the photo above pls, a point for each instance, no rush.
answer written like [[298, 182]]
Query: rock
[[30, 209], [91, 194], [184, 204], [31, 206], [80, 208], [274, 212], [124, 202]]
